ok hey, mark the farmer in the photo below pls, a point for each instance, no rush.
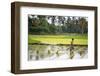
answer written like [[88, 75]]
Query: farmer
[[71, 49]]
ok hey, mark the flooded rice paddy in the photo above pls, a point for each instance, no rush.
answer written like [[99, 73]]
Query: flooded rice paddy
[[56, 52]]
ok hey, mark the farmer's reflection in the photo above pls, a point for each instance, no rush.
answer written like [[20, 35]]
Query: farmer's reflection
[[72, 49]]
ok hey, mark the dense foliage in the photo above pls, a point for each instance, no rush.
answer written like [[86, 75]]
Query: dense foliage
[[40, 24]]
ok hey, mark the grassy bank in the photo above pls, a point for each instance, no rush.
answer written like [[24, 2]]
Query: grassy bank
[[59, 39]]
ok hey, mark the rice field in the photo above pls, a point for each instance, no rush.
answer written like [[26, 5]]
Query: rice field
[[48, 47], [58, 39], [55, 52]]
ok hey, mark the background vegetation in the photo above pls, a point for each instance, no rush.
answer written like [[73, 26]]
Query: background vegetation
[[40, 24]]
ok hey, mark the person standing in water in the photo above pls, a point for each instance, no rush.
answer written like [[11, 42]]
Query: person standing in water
[[71, 49]]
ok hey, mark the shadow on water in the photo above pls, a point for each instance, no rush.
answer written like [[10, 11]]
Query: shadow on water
[[56, 52]]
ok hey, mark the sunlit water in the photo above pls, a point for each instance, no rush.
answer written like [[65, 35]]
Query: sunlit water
[[56, 52]]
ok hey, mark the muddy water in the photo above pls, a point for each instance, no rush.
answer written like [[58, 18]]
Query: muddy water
[[56, 52]]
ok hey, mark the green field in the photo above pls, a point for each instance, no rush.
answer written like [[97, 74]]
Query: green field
[[59, 39]]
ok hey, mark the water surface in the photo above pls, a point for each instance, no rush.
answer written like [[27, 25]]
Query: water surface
[[56, 52]]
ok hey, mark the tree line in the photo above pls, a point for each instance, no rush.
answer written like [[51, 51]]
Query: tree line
[[40, 24]]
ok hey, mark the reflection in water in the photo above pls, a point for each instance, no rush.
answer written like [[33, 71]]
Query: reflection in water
[[56, 52]]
